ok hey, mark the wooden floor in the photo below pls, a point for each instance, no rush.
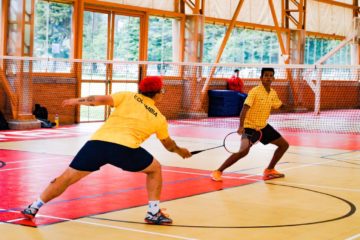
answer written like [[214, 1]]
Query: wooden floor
[[318, 198]]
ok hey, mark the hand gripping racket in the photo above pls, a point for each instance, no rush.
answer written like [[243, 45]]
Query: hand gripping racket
[[233, 141]]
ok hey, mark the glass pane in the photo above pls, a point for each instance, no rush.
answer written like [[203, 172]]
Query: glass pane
[[28, 4], [213, 35], [13, 10], [160, 39], [126, 38], [126, 46], [52, 32], [95, 41], [163, 37], [121, 87], [89, 113], [244, 45], [12, 39], [125, 71], [27, 35]]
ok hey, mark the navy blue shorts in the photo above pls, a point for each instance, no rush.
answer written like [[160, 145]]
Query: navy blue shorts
[[269, 134], [95, 154]]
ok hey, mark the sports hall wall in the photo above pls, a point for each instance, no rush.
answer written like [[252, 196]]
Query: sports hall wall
[[334, 95]]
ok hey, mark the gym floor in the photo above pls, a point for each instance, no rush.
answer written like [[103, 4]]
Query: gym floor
[[317, 199]]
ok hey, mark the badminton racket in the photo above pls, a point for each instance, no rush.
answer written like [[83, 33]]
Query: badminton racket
[[233, 141]]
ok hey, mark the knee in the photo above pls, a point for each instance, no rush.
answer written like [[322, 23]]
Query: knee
[[156, 164], [154, 167], [242, 153]]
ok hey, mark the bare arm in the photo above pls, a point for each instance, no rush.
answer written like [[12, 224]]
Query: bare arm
[[89, 101], [242, 118], [171, 146]]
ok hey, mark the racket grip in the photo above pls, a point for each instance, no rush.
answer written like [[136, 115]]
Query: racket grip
[[196, 152]]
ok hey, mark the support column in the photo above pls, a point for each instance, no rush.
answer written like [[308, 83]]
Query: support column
[[192, 75], [19, 72]]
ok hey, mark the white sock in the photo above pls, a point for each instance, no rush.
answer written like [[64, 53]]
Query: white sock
[[154, 206], [37, 204]]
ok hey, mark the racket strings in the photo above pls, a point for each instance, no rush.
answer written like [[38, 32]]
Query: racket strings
[[233, 142]]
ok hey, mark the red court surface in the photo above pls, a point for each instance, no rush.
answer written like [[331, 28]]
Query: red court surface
[[345, 141], [26, 173], [107, 190]]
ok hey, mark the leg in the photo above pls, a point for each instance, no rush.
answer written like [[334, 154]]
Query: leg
[[153, 180], [244, 150], [233, 159], [153, 186], [54, 189], [282, 146], [270, 172], [61, 183]]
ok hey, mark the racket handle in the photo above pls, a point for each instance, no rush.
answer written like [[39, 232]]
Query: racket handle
[[196, 152]]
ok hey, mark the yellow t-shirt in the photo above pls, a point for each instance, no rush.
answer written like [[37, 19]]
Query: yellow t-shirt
[[260, 102], [133, 120]]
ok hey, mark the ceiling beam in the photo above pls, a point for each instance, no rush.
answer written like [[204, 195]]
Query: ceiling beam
[[340, 4]]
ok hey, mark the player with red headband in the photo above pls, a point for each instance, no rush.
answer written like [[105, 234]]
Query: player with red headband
[[117, 142]]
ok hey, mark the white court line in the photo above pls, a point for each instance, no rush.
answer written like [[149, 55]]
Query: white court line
[[229, 177], [34, 160], [249, 177], [353, 237], [108, 226], [35, 166]]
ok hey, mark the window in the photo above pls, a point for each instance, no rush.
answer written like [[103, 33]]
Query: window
[[52, 35], [163, 44], [126, 47], [95, 45], [245, 46], [316, 48], [126, 38]]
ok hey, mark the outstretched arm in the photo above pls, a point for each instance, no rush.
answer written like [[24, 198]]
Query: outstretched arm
[[171, 146], [89, 101]]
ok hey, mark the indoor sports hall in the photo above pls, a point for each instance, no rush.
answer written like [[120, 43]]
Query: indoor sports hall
[[210, 55]]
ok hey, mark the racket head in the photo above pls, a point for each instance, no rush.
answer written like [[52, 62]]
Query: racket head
[[233, 142]]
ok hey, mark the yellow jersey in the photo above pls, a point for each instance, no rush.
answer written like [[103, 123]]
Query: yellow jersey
[[260, 102], [133, 120]]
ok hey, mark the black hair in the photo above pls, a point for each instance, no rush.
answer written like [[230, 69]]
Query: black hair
[[236, 70], [263, 70]]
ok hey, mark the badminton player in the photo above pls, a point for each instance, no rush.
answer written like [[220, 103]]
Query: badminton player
[[117, 142], [253, 118]]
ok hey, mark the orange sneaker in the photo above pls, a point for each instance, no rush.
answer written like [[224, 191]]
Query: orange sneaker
[[216, 176], [271, 174]]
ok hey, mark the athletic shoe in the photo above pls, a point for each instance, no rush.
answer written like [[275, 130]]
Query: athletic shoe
[[30, 212], [159, 218], [216, 176], [271, 174]]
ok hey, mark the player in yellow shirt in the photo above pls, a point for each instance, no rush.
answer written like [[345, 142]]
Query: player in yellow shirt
[[117, 142], [253, 118]]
